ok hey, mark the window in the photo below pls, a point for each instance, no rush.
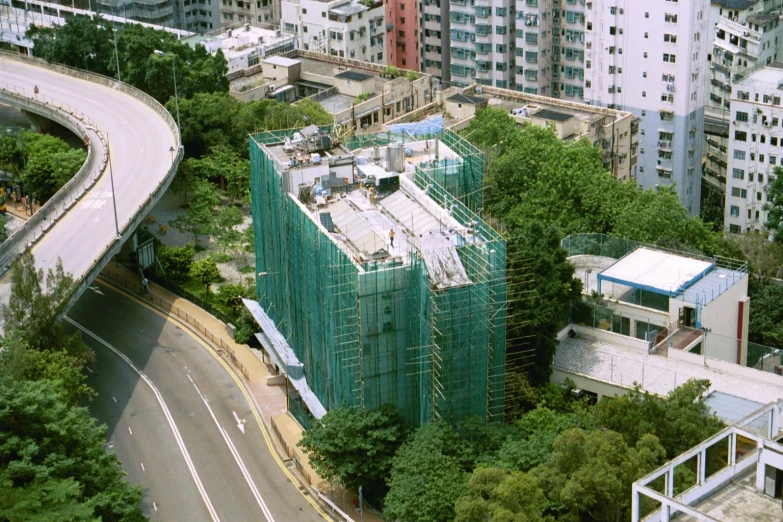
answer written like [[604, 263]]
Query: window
[[669, 58], [734, 211], [739, 154], [667, 116], [671, 38], [671, 18], [740, 135], [739, 192], [773, 160], [738, 174], [742, 116]]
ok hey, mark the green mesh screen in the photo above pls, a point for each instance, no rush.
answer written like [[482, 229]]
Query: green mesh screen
[[379, 334]]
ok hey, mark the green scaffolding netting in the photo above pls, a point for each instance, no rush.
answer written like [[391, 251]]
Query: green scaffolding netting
[[373, 334]]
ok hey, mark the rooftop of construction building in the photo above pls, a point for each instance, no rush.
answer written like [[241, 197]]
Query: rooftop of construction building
[[770, 74], [365, 198]]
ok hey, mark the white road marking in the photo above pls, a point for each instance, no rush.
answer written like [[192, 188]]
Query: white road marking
[[129, 430], [115, 400], [155, 506], [96, 290], [142, 467], [88, 369], [240, 422], [235, 454], [188, 461]]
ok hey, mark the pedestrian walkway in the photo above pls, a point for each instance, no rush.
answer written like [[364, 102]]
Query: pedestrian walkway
[[270, 398]]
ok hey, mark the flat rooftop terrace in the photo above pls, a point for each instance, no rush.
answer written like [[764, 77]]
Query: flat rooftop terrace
[[738, 502], [624, 366]]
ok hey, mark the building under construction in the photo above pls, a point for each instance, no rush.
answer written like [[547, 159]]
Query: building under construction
[[376, 280]]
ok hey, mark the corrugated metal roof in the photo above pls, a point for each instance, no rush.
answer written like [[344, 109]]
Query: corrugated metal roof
[[284, 357], [354, 227]]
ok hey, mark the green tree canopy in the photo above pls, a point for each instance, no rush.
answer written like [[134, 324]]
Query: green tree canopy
[[681, 420], [766, 316], [534, 176], [496, 495], [50, 164], [53, 465], [774, 207], [591, 473], [200, 217], [31, 312], [355, 447], [429, 472], [540, 283], [205, 271]]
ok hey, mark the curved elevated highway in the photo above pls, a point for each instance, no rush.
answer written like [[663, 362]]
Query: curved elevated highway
[[130, 135]]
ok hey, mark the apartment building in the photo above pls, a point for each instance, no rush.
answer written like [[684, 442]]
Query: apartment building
[[481, 39], [434, 26], [191, 15], [402, 34], [746, 35], [549, 50], [755, 147], [258, 13], [650, 58], [343, 28]]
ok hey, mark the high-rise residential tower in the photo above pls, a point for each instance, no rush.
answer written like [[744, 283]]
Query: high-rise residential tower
[[650, 58]]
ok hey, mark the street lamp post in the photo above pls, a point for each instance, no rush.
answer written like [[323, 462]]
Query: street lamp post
[[176, 92], [116, 54], [113, 195]]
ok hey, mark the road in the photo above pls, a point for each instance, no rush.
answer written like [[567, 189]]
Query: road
[[230, 456], [140, 140]]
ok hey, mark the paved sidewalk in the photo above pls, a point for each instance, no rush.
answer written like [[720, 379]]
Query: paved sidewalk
[[271, 399]]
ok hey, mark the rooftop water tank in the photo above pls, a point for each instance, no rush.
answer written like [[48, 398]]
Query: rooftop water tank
[[395, 158]]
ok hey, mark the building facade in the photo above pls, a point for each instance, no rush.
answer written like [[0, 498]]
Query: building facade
[[402, 34], [342, 28], [258, 13], [650, 58], [755, 147], [434, 26], [376, 284]]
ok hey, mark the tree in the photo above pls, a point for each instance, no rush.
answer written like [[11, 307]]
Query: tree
[[428, 473], [3, 230], [712, 208], [764, 257], [200, 217], [355, 447], [53, 465], [540, 283], [50, 164], [34, 304], [205, 271], [83, 43], [766, 316], [496, 495], [591, 473], [680, 421], [176, 261], [774, 207], [19, 362], [11, 156]]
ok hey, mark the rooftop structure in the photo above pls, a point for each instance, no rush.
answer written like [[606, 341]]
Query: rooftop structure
[[246, 46], [738, 476], [666, 298], [383, 283], [614, 131], [358, 94]]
